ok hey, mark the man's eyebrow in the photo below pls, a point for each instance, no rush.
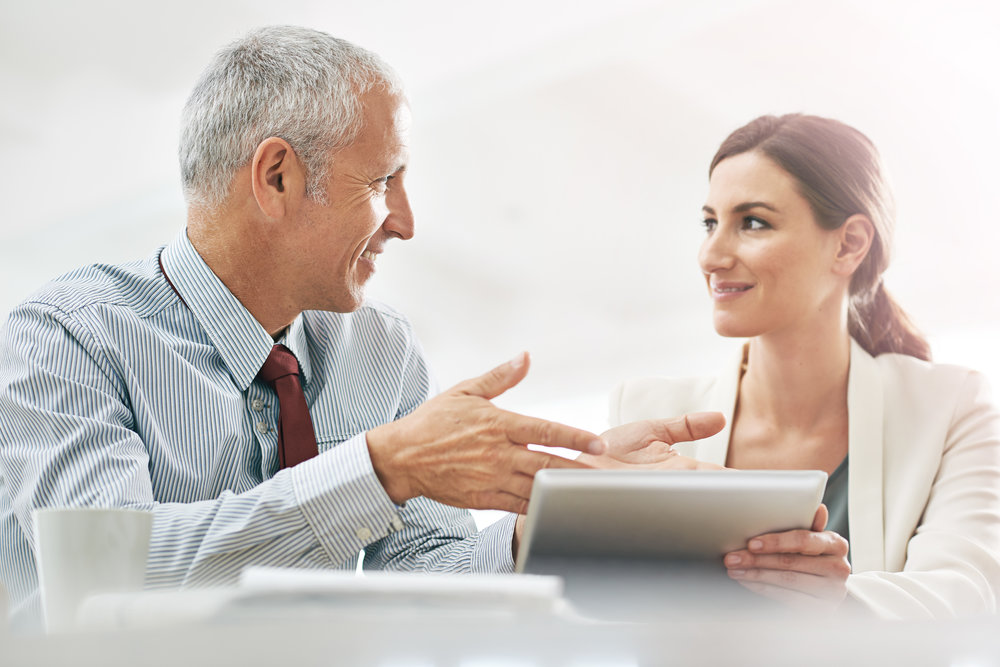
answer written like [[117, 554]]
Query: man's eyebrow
[[394, 169], [744, 207]]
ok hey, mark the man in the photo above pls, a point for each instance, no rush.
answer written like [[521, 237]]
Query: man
[[153, 384]]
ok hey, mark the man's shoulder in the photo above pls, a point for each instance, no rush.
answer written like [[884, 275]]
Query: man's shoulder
[[374, 324], [137, 287], [378, 310]]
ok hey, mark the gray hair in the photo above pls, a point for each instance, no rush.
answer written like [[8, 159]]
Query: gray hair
[[301, 85]]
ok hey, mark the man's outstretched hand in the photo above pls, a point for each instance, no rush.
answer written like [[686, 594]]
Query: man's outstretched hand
[[460, 449]]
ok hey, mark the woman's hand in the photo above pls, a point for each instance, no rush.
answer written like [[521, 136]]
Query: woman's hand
[[805, 568], [649, 444]]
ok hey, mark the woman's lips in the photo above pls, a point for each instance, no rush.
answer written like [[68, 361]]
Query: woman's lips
[[729, 291]]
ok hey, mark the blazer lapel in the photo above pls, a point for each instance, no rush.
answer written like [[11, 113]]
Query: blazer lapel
[[865, 480]]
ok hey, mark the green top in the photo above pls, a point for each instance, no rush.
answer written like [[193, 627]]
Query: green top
[[835, 499]]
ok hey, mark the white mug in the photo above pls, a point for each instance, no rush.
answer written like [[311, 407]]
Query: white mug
[[82, 551]]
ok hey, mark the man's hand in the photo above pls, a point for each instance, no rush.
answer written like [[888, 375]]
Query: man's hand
[[461, 450], [649, 444], [805, 568]]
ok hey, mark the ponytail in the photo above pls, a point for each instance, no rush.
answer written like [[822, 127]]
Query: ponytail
[[880, 326]]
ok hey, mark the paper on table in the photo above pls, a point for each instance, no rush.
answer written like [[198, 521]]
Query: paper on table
[[264, 591], [480, 591]]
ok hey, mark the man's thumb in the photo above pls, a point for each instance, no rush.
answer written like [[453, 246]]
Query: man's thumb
[[491, 384]]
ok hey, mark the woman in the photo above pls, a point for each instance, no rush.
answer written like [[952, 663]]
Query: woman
[[835, 377]]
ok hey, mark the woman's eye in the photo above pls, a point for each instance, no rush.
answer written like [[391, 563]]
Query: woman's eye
[[754, 223], [709, 224]]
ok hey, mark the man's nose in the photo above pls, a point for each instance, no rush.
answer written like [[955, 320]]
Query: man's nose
[[399, 222]]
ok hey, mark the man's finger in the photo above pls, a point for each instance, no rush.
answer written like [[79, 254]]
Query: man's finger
[[518, 484], [491, 384], [528, 462], [501, 500], [533, 431]]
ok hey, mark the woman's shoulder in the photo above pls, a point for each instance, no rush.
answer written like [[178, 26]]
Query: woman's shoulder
[[906, 371], [657, 397], [939, 393]]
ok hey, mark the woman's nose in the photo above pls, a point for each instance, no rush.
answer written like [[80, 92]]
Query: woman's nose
[[716, 252]]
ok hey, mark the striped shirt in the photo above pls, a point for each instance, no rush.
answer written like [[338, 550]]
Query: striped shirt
[[118, 391]]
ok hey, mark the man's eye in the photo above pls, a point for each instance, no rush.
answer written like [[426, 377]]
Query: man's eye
[[380, 185]]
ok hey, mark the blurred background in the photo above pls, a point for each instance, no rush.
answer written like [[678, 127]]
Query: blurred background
[[560, 154]]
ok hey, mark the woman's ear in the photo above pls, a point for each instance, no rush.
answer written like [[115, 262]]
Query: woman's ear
[[855, 236], [276, 177]]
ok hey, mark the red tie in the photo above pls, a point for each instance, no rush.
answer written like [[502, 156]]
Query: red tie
[[296, 439]]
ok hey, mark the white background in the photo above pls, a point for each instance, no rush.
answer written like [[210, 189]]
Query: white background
[[559, 159]]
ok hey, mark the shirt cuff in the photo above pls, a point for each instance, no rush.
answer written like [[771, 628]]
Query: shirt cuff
[[493, 550], [342, 499]]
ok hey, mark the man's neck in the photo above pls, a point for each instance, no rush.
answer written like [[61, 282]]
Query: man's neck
[[241, 260]]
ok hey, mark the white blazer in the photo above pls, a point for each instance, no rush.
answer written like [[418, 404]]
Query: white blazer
[[924, 476]]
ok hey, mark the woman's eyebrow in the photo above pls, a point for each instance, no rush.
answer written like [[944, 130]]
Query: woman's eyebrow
[[744, 207]]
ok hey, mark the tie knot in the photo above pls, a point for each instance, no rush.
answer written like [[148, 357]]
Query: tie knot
[[280, 362]]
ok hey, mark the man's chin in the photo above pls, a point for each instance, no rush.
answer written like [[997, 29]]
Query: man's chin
[[347, 303]]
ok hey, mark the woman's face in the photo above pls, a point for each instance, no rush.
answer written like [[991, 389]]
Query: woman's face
[[767, 264]]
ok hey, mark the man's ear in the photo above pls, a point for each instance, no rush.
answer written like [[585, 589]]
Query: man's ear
[[855, 240], [276, 176]]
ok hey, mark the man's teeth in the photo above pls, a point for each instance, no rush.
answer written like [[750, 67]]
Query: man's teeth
[[368, 254]]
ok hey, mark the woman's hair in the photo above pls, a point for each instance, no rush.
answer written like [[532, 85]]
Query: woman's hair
[[280, 81], [839, 172]]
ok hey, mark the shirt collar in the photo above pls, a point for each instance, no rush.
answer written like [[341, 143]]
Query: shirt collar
[[295, 340], [240, 339]]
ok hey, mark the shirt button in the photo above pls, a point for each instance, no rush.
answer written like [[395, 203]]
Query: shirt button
[[363, 534], [396, 523], [257, 404], [263, 427]]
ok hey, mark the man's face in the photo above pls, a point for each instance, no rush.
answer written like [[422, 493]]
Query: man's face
[[367, 206]]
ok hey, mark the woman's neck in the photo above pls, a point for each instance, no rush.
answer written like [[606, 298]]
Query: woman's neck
[[797, 380]]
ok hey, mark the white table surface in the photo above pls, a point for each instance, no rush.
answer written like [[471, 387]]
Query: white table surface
[[309, 636]]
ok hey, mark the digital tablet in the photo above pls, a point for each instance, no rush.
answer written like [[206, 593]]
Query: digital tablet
[[662, 514]]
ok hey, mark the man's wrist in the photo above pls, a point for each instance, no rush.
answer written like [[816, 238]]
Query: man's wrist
[[380, 449], [515, 543]]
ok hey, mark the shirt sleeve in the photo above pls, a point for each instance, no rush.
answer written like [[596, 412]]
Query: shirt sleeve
[[70, 440], [431, 536]]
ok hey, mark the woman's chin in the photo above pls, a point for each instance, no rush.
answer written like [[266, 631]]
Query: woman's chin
[[729, 329]]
